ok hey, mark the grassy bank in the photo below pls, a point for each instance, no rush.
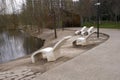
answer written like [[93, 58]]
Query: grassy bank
[[112, 25]]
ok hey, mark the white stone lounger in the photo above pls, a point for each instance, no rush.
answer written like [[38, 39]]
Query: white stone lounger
[[78, 32], [89, 31], [50, 53], [82, 40]]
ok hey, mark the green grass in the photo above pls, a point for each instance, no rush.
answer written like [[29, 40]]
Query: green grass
[[112, 25]]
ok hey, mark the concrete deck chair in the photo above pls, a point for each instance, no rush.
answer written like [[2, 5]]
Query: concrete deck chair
[[78, 32], [82, 40], [49, 53], [89, 31]]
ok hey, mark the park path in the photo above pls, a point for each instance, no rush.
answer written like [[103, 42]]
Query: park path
[[99, 63]]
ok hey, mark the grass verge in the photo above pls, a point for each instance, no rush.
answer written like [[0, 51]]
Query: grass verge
[[112, 25]]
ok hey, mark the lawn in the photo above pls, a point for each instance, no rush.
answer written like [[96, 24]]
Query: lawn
[[105, 25]]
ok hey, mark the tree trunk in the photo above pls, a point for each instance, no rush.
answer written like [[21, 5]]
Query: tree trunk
[[81, 20]]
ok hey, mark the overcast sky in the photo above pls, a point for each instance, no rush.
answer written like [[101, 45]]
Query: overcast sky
[[16, 4]]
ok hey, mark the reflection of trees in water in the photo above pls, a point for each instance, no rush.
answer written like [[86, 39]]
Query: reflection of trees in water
[[31, 44], [14, 44]]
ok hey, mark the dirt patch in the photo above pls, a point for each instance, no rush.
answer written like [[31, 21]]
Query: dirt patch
[[68, 52]]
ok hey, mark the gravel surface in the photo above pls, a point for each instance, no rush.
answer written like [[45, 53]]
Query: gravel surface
[[23, 69]]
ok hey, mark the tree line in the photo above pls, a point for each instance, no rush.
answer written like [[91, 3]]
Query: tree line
[[56, 13]]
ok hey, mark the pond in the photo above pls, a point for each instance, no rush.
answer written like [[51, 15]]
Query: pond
[[16, 43]]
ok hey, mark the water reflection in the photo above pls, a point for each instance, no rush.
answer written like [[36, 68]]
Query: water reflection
[[15, 44]]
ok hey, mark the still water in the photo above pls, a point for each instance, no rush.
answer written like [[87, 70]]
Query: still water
[[15, 44]]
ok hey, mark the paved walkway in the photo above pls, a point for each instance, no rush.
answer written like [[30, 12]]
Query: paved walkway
[[99, 63]]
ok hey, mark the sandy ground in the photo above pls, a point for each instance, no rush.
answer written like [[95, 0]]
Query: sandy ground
[[68, 52]]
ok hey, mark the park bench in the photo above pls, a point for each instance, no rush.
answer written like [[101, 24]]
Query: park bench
[[49, 53], [78, 32], [89, 31], [83, 40]]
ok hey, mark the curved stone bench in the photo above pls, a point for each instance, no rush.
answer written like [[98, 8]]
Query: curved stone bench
[[49, 53]]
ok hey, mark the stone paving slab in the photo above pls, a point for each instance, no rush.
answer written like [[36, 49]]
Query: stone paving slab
[[23, 73], [99, 63]]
